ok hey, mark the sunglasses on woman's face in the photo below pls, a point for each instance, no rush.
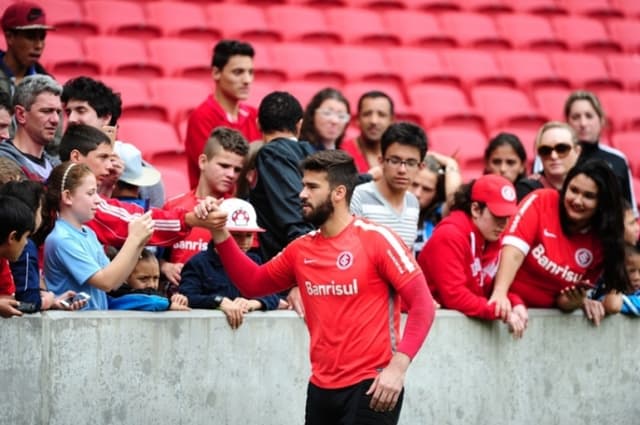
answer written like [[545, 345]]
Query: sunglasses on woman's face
[[562, 149]]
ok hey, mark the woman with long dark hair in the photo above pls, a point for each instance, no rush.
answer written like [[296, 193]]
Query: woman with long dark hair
[[325, 119]]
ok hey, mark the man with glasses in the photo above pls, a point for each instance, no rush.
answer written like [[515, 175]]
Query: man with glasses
[[388, 200], [25, 29]]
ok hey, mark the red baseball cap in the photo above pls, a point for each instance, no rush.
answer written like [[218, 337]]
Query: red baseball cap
[[497, 192], [24, 16]]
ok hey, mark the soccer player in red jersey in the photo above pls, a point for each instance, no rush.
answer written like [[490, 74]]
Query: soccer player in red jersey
[[351, 273], [560, 242]]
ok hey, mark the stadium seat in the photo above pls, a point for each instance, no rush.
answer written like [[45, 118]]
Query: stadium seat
[[192, 22], [303, 61], [527, 31], [622, 109], [466, 145], [487, 6], [302, 23], [68, 18], [136, 102], [120, 17], [529, 69], [64, 55], [441, 104], [593, 8], [433, 5], [473, 30], [179, 95], [631, 8], [583, 33], [152, 137], [476, 67], [539, 7], [381, 5], [182, 58], [403, 112], [361, 26], [627, 142], [627, 33], [266, 70], [417, 28], [304, 90], [121, 55], [174, 177], [551, 100], [260, 89], [503, 106], [241, 21], [625, 68], [584, 70], [361, 63], [416, 65]]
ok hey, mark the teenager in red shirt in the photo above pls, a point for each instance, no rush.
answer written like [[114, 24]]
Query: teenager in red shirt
[[461, 257], [558, 242], [351, 273]]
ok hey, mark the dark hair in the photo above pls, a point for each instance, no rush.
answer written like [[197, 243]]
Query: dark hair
[[405, 133], [374, 94], [309, 132], [15, 216], [243, 187], [65, 176], [462, 199], [99, 96], [146, 254], [6, 102], [432, 211], [83, 138], [607, 221], [223, 51], [339, 166], [279, 111], [32, 193], [507, 139], [228, 139]]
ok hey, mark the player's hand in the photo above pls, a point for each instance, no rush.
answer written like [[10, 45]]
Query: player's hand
[[295, 301], [387, 386]]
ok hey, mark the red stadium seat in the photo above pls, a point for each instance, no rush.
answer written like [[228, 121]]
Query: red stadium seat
[[473, 30], [433, 5], [68, 18], [136, 102], [628, 142], [179, 95], [627, 33], [539, 7], [441, 104], [361, 63], [487, 6], [529, 32], [303, 61], [192, 22], [153, 138], [174, 177], [551, 100], [304, 90], [182, 58], [64, 55], [416, 65], [301, 23], [584, 70], [475, 67], [403, 112], [383, 5], [631, 8], [582, 33], [594, 8], [466, 145], [260, 89], [121, 17], [626, 69], [622, 108], [417, 28], [361, 26], [529, 69], [121, 55], [241, 21], [502, 106]]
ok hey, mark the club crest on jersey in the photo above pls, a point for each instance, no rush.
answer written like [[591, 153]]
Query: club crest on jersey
[[583, 257], [240, 217], [344, 260]]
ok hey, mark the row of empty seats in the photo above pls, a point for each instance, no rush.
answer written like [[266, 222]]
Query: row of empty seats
[[347, 25]]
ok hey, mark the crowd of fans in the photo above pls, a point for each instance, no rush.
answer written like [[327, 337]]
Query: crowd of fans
[[85, 223]]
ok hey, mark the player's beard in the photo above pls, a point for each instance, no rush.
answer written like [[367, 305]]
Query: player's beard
[[319, 214]]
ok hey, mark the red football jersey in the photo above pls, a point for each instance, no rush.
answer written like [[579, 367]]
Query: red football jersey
[[198, 237], [352, 309], [553, 260]]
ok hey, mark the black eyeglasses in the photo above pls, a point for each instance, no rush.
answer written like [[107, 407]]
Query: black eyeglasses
[[397, 162], [562, 149]]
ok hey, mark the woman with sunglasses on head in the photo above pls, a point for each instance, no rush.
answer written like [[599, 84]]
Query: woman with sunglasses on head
[[325, 119], [560, 242], [558, 149]]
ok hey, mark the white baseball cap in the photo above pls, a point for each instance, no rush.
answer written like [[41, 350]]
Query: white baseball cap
[[241, 216], [137, 172]]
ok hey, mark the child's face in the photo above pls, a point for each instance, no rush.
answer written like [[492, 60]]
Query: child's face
[[145, 275], [16, 245], [632, 264], [631, 228], [243, 239], [84, 199]]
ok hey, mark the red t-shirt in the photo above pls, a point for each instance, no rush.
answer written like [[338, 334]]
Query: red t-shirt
[[553, 260], [7, 285], [346, 283], [196, 240], [207, 117], [351, 147]]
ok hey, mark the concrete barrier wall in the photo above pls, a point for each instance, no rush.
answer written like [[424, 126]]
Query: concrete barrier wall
[[190, 368]]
